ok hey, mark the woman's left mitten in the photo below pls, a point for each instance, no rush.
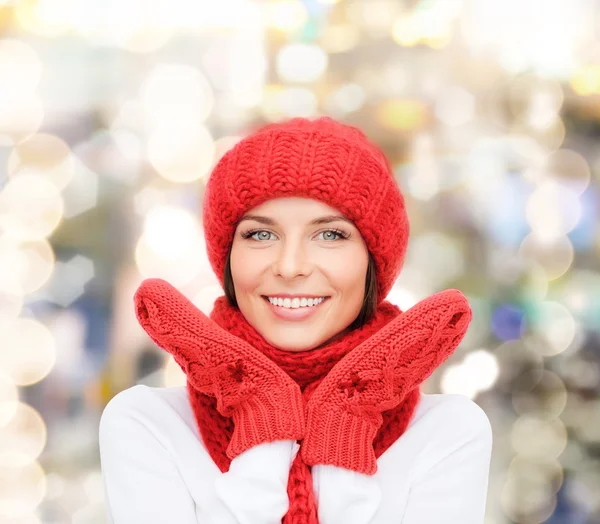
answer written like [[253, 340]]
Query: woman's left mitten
[[345, 411], [263, 401]]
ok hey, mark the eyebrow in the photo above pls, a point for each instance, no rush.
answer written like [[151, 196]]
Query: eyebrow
[[317, 221]]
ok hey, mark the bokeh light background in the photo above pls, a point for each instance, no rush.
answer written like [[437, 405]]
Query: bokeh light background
[[112, 115]]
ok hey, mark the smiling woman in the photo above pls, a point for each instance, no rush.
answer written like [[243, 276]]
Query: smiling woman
[[303, 399]]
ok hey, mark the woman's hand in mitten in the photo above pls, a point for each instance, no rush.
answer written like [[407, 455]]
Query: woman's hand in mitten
[[345, 411], [264, 402]]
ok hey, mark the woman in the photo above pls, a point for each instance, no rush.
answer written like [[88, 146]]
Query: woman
[[302, 401]]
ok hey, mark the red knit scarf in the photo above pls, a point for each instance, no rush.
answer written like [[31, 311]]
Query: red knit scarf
[[308, 369]]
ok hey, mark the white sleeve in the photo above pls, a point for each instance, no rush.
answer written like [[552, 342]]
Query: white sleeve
[[451, 486], [345, 496], [255, 487], [142, 482]]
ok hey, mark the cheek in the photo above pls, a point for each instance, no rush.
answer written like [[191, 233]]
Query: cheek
[[347, 271], [246, 268]]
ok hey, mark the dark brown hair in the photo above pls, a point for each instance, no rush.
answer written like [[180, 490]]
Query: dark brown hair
[[366, 311]]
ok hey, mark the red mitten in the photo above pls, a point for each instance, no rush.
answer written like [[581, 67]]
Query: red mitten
[[344, 412], [264, 402]]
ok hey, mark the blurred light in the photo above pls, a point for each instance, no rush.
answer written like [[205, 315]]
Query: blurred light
[[527, 501], [553, 210], [586, 81], [455, 106], [21, 111], [286, 15], [490, 28], [296, 101], [148, 198], [173, 93], [21, 489], [9, 399], [539, 439], [11, 296], [181, 151], [116, 154], [30, 207], [516, 359], [423, 176], [539, 393], [339, 38], [161, 264], [580, 292], [305, 63], [48, 18], [533, 284], [173, 374], [22, 438], [554, 255], [44, 155], [485, 366], [566, 167], [55, 486], [437, 256], [422, 27], [535, 101], [29, 265], [222, 146], [93, 486], [551, 328], [69, 280], [28, 351], [206, 297], [551, 137], [247, 68], [543, 473], [507, 322], [402, 114], [411, 286], [22, 519], [143, 26], [20, 64], [347, 99], [171, 231], [458, 379], [403, 298], [20, 117], [477, 372]]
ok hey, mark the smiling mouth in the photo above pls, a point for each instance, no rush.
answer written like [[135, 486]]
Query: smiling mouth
[[294, 314], [266, 299]]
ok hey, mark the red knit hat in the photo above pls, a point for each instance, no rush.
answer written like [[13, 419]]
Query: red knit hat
[[320, 159]]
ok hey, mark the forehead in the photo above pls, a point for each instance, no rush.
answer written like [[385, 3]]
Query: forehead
[[287, 204], [294, 211]]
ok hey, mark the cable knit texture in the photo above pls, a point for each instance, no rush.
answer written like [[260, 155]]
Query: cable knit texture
[[320, 159], [360, 391], [264, 402], [345, 412]]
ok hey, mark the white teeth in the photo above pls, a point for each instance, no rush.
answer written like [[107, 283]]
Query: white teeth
[[296, 302]]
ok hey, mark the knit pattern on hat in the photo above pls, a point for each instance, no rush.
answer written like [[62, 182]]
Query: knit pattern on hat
[[320, 159]]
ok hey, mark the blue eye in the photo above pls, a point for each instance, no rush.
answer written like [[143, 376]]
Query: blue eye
[[338, 234]]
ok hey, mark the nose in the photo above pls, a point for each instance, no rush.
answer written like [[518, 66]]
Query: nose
[[292, 261]]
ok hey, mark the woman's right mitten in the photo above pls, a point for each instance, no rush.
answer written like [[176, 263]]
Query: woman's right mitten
[[265, 403]]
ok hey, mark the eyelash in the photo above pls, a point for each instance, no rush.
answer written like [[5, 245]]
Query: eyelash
[[341, 234]]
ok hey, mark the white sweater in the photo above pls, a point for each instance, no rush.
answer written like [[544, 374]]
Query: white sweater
[[156, 469]]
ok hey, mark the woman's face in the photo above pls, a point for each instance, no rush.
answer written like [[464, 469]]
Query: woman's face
[[298, 246]]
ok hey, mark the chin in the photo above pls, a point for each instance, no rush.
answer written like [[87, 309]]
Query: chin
[[294, 343]]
